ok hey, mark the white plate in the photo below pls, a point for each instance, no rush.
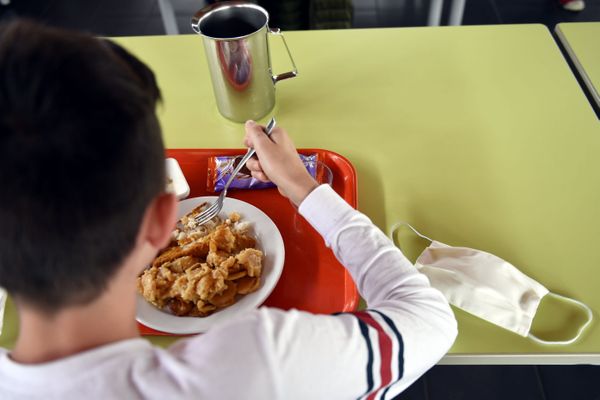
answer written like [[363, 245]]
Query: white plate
[[269, 241]]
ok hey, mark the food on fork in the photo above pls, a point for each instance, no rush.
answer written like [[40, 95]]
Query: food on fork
[[205, 268]]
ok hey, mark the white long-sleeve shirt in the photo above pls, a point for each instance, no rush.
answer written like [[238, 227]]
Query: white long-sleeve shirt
[[275, 354]]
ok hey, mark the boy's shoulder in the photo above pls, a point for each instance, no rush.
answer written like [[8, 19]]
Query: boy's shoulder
[[202, 364]]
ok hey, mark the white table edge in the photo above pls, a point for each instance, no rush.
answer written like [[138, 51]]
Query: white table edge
[[584, 76], [521, 359]]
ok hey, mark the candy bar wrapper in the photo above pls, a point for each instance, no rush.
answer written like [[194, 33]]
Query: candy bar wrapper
[[220, 168]]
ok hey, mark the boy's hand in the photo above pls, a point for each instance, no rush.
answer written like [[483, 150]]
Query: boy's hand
[[278, 162]]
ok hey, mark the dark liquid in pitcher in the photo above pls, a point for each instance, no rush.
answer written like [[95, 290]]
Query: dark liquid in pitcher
[[233, 23]]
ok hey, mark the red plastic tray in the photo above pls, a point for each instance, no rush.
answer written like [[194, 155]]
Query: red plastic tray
[[312, 279]]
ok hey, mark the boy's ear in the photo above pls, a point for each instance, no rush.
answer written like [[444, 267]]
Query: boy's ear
[[159, 221]]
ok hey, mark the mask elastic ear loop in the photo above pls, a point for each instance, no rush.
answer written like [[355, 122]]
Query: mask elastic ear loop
[[399, 224], [578, 303]]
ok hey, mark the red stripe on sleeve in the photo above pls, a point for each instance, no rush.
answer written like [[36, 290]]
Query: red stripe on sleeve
[[385, 349]]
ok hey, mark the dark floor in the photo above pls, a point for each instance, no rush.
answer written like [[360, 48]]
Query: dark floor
[[518, 382], [142, 17], [371, 13]]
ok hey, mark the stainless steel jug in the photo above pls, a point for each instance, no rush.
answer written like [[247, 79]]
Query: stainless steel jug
[[237, 51]]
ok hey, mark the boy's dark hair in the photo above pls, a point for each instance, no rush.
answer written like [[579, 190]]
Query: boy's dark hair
[[81, 158]]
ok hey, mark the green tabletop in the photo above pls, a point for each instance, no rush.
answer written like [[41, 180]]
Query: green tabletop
[[582, 42], [479, 136]]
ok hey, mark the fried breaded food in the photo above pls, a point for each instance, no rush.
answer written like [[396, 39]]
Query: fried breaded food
[[205, 268]]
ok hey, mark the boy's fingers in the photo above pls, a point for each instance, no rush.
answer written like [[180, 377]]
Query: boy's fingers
[[277, 135], [260, 176], [255, 136], [253, 164]]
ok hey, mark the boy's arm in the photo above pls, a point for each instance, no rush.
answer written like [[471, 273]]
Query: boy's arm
[[373, 354], [406, 329]]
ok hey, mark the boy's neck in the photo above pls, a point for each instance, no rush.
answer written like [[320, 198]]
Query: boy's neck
[[108, 319], [111, 316]]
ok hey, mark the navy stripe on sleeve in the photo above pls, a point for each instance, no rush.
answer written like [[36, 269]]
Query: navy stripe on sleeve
[[364, 330], [400, 348]]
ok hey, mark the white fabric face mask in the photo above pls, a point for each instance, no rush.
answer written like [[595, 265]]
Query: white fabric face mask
[[487, 286]]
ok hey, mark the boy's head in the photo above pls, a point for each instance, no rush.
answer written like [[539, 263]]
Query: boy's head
[[81, 158]]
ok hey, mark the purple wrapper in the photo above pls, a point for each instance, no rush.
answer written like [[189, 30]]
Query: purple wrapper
[[220, 168]]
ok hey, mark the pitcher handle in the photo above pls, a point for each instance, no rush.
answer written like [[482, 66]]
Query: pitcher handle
[[294, 71]]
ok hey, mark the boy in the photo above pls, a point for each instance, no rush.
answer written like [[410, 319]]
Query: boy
[[83, 210]]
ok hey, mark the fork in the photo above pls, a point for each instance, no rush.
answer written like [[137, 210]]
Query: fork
[[216, 207]]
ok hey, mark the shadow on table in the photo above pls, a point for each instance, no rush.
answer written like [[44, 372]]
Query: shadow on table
[[371, 197]]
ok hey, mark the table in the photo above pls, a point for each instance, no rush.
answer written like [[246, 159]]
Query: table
[[580, 40], [456, 130]]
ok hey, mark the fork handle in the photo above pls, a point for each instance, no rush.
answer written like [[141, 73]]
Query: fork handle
[[248, 154], [237, 169]]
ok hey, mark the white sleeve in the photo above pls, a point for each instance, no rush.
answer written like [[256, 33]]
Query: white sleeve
[[376, 353]]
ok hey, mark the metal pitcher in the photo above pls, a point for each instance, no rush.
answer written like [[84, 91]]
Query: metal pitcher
[[237, 51]]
